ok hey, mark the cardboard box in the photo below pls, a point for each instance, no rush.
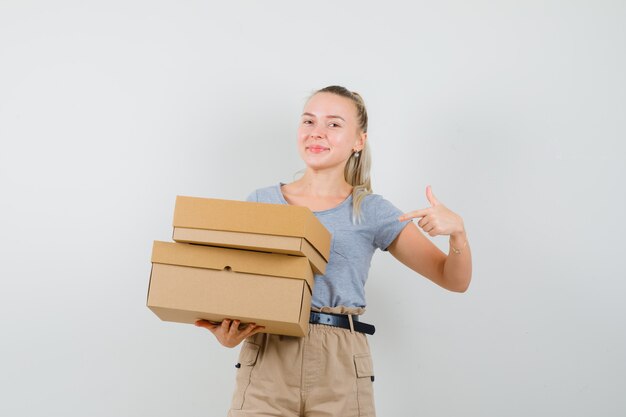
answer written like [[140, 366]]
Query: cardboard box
[[190, 282], [276, 228]]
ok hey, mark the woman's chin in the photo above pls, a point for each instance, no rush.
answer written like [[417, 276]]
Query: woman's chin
[[320, 165]]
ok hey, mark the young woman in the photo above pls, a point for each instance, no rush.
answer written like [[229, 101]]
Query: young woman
[[329, 372]]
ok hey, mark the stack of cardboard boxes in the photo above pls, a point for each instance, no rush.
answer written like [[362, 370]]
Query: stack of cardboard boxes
[[253, 262]]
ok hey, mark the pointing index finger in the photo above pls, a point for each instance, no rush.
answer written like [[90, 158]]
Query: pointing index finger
[[413, 214]]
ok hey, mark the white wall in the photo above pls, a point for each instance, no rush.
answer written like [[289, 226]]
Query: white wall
[[513, 111]]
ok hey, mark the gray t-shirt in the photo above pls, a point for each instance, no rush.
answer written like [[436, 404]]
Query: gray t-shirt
[[352, 245]]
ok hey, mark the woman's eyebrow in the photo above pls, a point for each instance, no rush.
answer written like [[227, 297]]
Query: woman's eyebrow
[[330, 116]]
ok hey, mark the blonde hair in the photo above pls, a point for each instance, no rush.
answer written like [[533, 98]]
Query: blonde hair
[[357, 169]]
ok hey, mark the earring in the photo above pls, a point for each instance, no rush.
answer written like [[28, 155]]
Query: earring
[[356, 154]]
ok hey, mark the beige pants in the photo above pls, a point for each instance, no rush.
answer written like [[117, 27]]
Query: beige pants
[[326, 373]]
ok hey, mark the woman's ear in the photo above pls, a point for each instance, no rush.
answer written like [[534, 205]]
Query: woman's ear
[[360, 141]]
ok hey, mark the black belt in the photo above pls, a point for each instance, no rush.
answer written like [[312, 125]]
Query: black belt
[[341, 320]]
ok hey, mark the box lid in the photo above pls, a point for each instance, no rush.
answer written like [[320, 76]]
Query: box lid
[[238, 260], [288, 245], [252, 217]]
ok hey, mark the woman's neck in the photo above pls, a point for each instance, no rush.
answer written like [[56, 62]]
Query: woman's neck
[[321, 184]]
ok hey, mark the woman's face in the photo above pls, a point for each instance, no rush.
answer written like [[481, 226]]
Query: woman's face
[[328, 131]]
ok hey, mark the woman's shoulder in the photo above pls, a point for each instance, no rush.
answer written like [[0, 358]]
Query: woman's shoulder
[[373, 200], [377, 204], [268, 194]]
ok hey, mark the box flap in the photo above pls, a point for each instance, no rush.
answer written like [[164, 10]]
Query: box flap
[[288, 245], [244, 261], [252, 217]]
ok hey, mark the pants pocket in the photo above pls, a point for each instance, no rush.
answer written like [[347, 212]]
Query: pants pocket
[[247, 359], [364, 383]]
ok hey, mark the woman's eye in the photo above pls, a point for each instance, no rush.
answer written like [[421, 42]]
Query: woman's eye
[[306, 122], [334, 125]]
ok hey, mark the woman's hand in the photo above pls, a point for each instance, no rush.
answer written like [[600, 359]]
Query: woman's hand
[[437, 219], [228, 332]]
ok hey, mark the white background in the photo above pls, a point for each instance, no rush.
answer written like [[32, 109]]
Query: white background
[[514, 112]]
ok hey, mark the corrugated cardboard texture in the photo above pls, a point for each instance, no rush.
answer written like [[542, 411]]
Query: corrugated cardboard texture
[[186, 294], [251, 217], [260, 263], [250, 241]]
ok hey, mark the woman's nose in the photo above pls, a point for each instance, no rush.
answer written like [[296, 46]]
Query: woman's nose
[[318, 131]]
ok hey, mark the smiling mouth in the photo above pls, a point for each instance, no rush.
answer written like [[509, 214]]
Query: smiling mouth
[[317, 148]]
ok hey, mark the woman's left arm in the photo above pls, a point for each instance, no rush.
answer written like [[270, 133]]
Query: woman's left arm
[[452, 272]]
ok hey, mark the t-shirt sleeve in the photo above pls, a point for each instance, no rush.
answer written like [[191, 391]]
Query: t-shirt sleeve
[[253, 197], [388, 227]]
